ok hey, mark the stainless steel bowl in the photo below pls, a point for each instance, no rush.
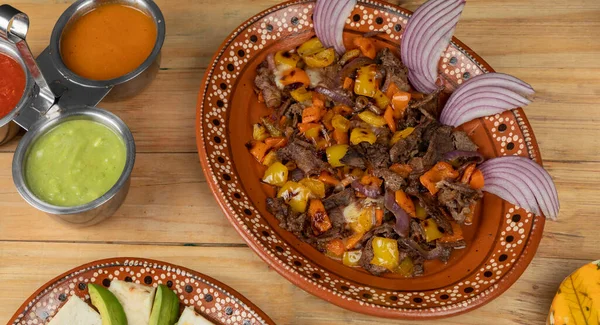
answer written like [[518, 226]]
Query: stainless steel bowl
[[8, 129], [92, 212], [125, 86]]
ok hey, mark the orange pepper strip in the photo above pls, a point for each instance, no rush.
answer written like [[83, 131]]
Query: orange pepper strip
[[276, 142], [366, 46], [348, 83], [342, 110], [466, 177], [400, 102], [389, 118], [282, 120], [326, 178], [312, 114], [457, 234], [405, 203], [378, 217], [340, 136], [477, 181], [336, 247], [258, 149], [318, 217], [295, 75], [318, 100], [392, 90], [402, 169], [441, 171], [261, 98], [371, 180], [353, 240], [303, 127]]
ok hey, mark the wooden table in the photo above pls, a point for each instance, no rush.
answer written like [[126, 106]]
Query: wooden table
[[171, 215]]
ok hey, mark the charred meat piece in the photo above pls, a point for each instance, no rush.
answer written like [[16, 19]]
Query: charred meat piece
[[353, 158], [458, 198], [376, 154], [441, 143], [288, 220], [340, 199], [392, 181], [435, 210], [439, 252], [462, 141], [304, 156], [395, 71], [265, 83], [403, 150]]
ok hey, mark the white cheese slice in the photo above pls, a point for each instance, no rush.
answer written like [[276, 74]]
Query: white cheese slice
[[76, 311], [190, 317], [136, 300]]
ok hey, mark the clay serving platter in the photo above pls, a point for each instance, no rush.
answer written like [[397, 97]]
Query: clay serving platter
[[209, 297], [500, 244]]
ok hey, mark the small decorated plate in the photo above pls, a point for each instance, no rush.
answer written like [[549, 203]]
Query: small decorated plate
[[213, 300], [500, 243]]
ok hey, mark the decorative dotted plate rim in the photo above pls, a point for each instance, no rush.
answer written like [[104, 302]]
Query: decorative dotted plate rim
[[510, 133], [211, 297]]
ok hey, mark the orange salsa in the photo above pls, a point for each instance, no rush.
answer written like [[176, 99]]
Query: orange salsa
[[12, 84], [108, 42]]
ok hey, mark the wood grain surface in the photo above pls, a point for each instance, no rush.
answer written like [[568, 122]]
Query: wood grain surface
[[171, 215]]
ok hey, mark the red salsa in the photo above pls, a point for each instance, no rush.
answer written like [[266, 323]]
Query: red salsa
[[12, 84]]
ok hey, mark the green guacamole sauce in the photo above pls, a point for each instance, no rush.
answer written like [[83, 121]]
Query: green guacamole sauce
[[75, 163]]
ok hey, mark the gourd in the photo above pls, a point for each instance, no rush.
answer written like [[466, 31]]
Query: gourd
[[577, 300]]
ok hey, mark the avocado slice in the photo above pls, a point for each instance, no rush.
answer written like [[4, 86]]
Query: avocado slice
[[165, 310], [108, 305]]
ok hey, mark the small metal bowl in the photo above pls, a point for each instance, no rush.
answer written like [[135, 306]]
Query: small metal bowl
[[8, 129], [92, 212], [129, 84]]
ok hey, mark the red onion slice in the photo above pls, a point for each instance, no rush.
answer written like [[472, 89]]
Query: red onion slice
[[425, 37], [402, 225], [523, 182], [484, 95], [329, 18]]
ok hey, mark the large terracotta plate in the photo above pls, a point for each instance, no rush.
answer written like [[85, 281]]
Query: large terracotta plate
[[214, 300], [501, 242]]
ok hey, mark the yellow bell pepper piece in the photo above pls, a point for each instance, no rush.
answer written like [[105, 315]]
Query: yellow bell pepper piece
[[311, 46], [335, 153], [432, 231], [359, 135], [286, 58], [340, 123], [276, 174], [320, 59], [365, 83], [295, 195], [372, 118], [386, 254], [420, 211], [401, 135], [406, 267], [301, 95], [316, 187], [313, 133], [259, 132], [270, 158], [381, 99], [351, 258], [364, 222]]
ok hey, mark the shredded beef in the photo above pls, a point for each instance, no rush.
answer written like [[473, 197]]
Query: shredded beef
[[395, 71], [463, 142], [353, 158], [304, 156], [340, 199], [376, 154], [296, 174], [264, 81], [288, 220], [429, 105], [458, 198], [441, 143], [417, 233], [392, 181], [403, 150], [435, 210], [367, 256]]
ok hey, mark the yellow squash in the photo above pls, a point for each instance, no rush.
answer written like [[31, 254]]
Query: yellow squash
[[578, 298]]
